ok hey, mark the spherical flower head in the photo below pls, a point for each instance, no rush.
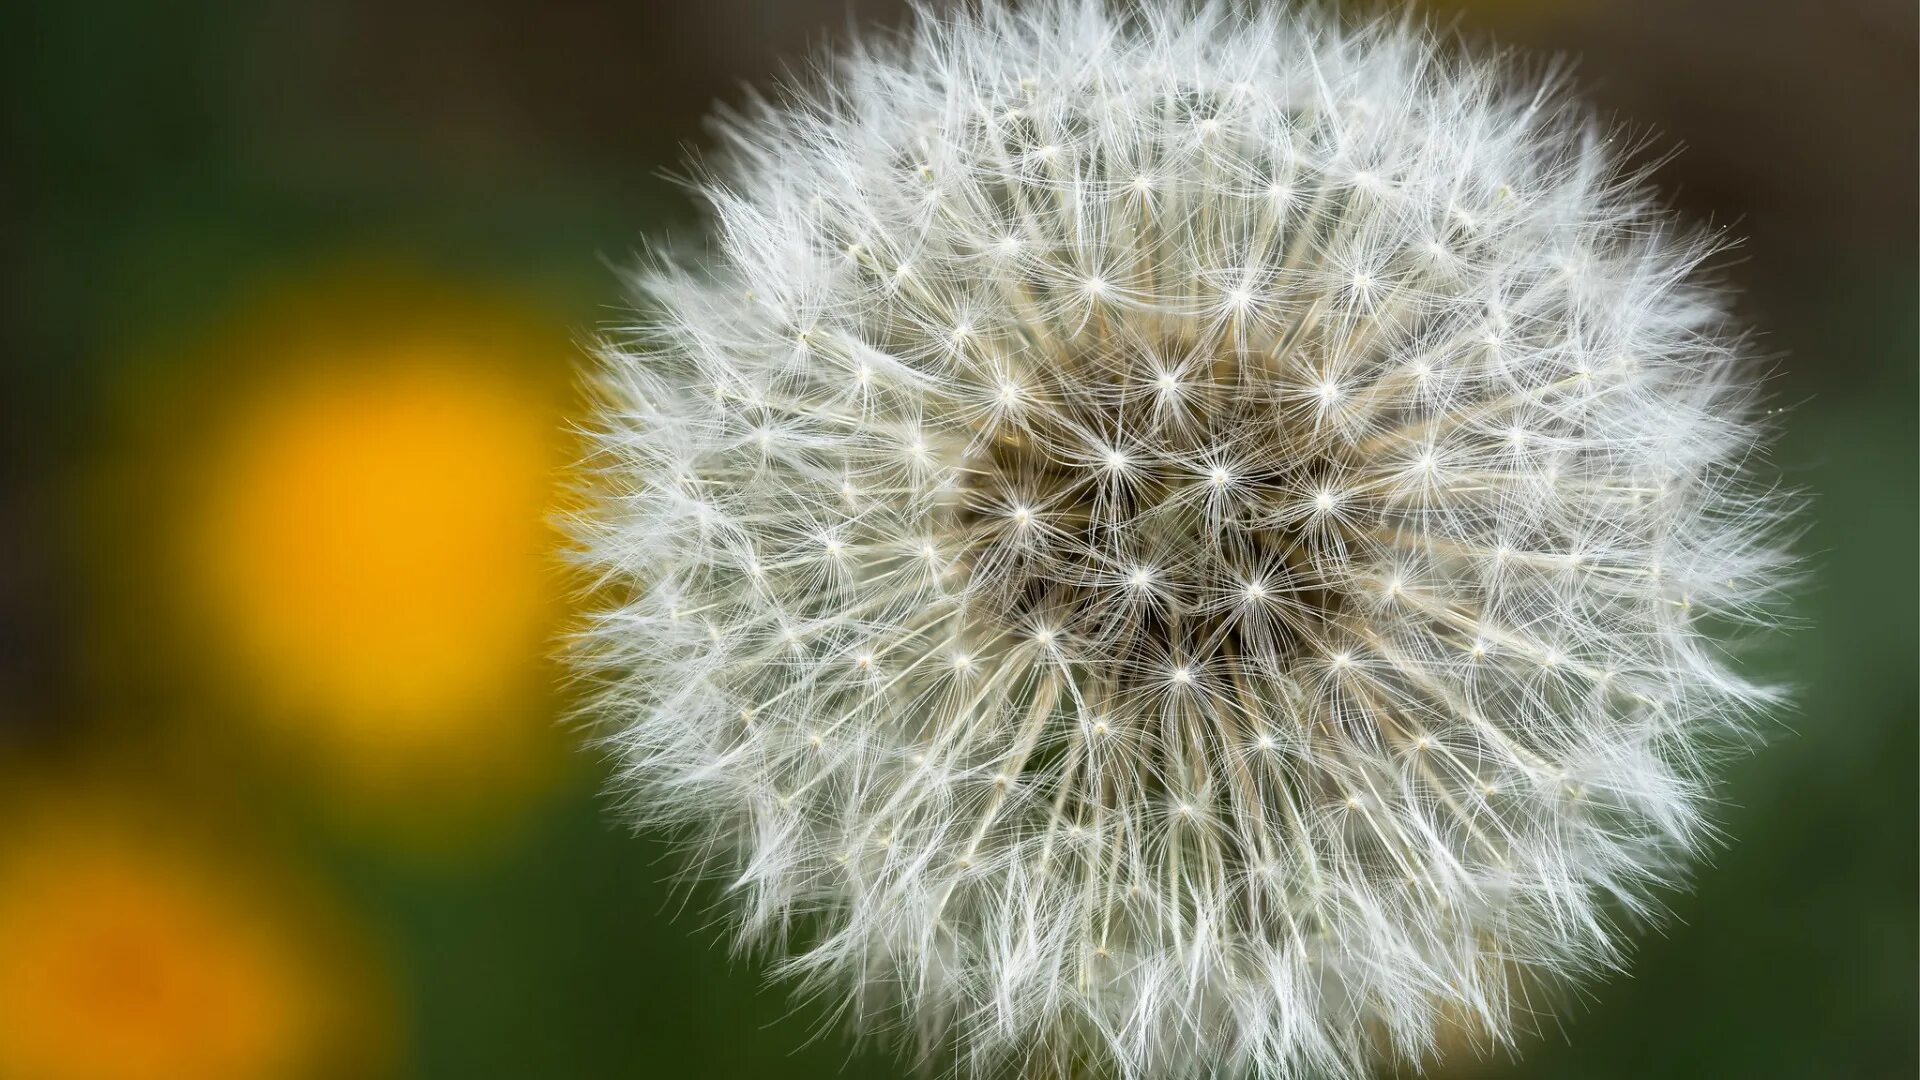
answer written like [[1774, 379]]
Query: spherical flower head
[[1176, 539]]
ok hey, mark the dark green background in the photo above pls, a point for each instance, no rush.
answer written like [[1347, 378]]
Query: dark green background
[[165, 156]]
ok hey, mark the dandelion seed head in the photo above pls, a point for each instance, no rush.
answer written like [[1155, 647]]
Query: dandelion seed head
[[1205, 591]]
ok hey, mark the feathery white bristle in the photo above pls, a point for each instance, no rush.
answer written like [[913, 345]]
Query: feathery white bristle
[[1174, 538]]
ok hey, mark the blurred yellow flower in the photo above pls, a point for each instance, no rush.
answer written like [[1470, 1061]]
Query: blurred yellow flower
[[125, 957], [373, 545], [365, 539]]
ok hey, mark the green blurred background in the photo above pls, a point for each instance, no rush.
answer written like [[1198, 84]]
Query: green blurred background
[[292, 297]]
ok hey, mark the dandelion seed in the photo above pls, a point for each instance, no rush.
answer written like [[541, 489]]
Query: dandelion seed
[[1284, 516]]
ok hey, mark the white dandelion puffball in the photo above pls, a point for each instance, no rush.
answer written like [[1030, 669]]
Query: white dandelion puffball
[[1177, 539]]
